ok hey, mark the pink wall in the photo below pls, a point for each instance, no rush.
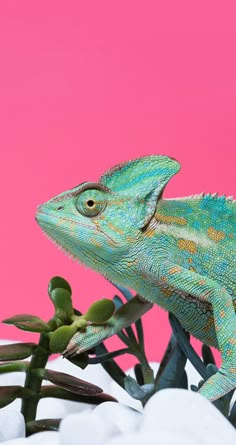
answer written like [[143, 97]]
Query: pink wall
[[85, 85]]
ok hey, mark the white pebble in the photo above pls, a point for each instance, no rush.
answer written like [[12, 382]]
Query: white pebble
[[86, 428], [44, 438], [178, 410], [49, 408], [161, 438], [127, 419], [12, 425]]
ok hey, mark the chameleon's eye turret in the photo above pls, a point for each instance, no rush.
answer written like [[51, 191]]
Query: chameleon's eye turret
[[91, 202]]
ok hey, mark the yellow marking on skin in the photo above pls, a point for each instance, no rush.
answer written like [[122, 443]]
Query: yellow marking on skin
[[115, 229], [95, 242], [209, 324], [232, 341], [202, 282], [222, 314], [132, 263], [192, 269], [167, 292], [215, 235], [190, 260], [188, 245], [130, 239], [150, 232], [112, 243], [171, 219], [174, 270], [210, 339], [163, 278], [233, 370], [229, 352]]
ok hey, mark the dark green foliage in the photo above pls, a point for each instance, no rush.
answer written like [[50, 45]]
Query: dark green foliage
[[56, 333]]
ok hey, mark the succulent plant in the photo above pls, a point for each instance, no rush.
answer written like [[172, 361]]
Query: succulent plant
[[56, 333]]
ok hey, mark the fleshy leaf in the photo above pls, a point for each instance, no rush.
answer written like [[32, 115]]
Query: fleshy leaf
[[138, 374], [16, 351], [58, 282], [22, 318], [61, 393], [80, 360], [100, 311], [36, 326], [232, 416], [68, 382], [14, 366], [138, 392], [61, 299], [9, 393], [38, 426], [207, 355], [61, 337]]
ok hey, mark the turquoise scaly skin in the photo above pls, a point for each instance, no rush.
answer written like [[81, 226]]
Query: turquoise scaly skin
[[178, 253]]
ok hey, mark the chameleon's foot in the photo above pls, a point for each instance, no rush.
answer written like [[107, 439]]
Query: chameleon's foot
[[219, 384]]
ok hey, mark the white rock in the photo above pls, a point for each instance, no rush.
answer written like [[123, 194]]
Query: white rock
[[49, 408], [12, 424], [18, 441], [178, 410], [127, 419], [86, 428], [161, 437], [92, 373], [44, 438]]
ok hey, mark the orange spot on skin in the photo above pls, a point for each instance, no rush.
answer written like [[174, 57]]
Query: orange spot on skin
[[115, 229], [167, 292], [131, 263], [233, 370], [190, 260], [222, 314], [174, 270], [202, 282], [95, 242], [192, 269], [232, 341], [229, 352], [188, 245], [130, 239], [171, 219], [209, 324], [163, 278], [215, 235], [150, 233]]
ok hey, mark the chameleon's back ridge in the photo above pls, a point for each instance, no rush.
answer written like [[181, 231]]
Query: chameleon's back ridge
[[179, 253]]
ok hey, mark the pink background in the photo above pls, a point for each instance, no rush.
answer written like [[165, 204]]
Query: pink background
[[85, 85]]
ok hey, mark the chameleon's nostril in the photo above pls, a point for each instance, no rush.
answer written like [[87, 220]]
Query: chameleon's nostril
[[60, 208]]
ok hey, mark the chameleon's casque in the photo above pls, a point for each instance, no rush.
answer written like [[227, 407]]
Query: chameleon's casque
[[178, 253]]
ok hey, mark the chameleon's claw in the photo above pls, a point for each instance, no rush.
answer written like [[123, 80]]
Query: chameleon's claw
[[218, 385], [96, 333]]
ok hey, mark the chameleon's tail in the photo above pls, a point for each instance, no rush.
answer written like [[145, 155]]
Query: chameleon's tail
[[219, 384]]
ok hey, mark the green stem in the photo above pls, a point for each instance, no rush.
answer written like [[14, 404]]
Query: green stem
[[33, 382], [147, 371]]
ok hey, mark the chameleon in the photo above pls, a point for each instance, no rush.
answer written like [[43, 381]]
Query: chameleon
[[178, 253]]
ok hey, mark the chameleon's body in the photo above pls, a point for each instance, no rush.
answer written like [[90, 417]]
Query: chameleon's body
[[179, 253]]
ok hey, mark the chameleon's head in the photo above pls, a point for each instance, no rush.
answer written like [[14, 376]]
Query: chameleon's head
[[98, 222]]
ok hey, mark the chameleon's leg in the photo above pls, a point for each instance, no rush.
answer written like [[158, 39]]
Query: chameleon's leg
[[209, 290], [96, 333]]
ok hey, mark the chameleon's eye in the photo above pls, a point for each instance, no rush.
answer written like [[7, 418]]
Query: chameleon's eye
[[91, 202]]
